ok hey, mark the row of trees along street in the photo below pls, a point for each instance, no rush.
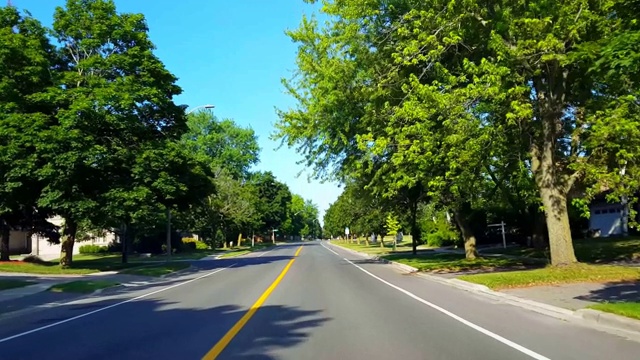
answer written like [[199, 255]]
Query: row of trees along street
[[89, 131], [524, 110]]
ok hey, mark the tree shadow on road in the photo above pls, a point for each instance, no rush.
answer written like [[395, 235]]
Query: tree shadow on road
[[150, 328]]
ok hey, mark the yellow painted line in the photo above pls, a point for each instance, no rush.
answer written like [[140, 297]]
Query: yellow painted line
[[226, 339]]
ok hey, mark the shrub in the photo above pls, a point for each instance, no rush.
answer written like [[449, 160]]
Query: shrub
[[443, 237], [93, 249], [194, 244]]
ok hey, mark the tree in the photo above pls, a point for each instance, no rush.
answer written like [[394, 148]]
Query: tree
[[26, 57], [393, 226], [273, 201], [222, 143], [419, 93], [114, 95]]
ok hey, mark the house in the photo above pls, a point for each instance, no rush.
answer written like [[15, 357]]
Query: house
[[608, 219], [24, 243]]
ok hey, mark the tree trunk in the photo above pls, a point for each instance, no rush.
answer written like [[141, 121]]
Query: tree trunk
[[239, 239], [67, 242], [557, 216], [539, 231], [415, 229], [4, 243], [125, 244], [470, 250], [552, 184]]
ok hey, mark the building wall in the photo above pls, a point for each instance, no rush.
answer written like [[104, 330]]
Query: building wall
[[607, 218], [21, 244]]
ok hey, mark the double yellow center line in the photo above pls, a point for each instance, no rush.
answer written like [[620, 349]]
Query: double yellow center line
[[226, 339]]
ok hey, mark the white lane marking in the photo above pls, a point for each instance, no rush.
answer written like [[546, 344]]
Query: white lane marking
[[329, 249], [110, 306], [266, 252], [495, 336]]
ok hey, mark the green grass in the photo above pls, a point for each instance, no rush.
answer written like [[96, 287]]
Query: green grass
[[595, 250], [452, 262], [92, 263], [157, 270], [554, 275], [628, 309], [239, 251], [82, 286], [374, 249], [12, 284], [191, 255], [82, 264], [234, 253]]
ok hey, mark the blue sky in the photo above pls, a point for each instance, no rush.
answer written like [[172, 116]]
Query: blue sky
[[231, 54]]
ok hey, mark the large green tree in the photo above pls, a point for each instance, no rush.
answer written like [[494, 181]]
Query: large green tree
[[273, 199], [115, 98], [26, 60], [420, 93], [222, 144]]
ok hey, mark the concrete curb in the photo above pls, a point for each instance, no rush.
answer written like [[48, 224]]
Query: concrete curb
[[594, 317], [609, 320]]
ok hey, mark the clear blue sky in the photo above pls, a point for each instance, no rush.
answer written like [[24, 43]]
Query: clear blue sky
[[231, 54]]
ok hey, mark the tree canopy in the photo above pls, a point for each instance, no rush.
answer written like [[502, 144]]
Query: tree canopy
[[429, 98]]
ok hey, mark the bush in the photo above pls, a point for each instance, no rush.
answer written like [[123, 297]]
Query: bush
[[194, 244], [93, 249], [442, 238]]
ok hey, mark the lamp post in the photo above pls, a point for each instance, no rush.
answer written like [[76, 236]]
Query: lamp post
[[208, 106], [169, 249]]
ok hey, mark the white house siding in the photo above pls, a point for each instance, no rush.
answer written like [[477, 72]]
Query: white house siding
[[607, 218], [40, 246]]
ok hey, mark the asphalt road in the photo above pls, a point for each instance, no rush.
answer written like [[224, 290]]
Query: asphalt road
[[324, 303]]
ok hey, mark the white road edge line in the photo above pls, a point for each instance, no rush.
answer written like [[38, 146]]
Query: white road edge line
[[495, 336], [110, 306]]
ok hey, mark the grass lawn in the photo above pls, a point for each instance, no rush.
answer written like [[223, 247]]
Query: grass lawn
[[12, 284], [238, 251], [453, 262], [82, 264], [91, 263], [554, 275], [157, 270], [596, 250], [628, 309], [233, 253], [82, 286], [191, 255], [374, 249]]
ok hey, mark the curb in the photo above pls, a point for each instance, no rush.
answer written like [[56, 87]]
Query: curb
[[609, 320], [593, 317]]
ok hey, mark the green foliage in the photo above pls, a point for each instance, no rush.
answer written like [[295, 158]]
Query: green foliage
[[436, 229], [392, 225], [451, 100], [93, 249], [197, 244], [221, 143]]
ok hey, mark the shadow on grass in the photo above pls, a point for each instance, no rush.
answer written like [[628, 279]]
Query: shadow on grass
[[151, 328], [591, 251], [449, 263]]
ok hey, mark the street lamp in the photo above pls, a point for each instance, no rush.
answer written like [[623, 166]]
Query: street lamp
[[208, 106], [169, 249]]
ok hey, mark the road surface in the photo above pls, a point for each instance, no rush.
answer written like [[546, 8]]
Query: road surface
[[324, 303]]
